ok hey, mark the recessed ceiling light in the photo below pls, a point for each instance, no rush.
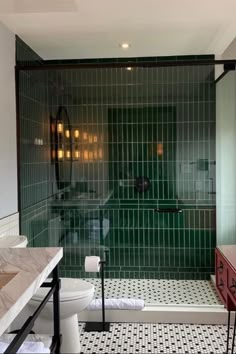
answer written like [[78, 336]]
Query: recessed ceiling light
[[129, 68], [125, 45]]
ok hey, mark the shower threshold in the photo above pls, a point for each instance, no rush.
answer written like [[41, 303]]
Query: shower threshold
[[166, 301]]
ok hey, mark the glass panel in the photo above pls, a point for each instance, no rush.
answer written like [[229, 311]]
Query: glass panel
[[142, 188]]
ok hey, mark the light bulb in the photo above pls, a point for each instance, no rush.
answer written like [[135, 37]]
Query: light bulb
[[100, 153], [125, 45], [59, 128], [77, 154], [60, 154], [76, 133], [86, 155]]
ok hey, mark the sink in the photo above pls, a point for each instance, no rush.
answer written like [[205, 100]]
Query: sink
[[84, 201], [86, 195], [13, 241], [5, 278]]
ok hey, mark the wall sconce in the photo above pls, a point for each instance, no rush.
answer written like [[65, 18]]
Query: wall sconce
[[66, 145], [61, 147]]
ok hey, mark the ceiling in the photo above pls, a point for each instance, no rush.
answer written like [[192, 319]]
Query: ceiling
[[72, 29]]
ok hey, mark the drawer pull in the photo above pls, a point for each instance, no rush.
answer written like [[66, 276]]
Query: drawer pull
[[221, 267], [221, 284], [233, 287]]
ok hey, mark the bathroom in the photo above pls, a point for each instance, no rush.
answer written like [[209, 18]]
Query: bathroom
[[125, 122]]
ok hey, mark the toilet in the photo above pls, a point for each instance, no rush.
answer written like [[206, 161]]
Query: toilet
[[75, 296]]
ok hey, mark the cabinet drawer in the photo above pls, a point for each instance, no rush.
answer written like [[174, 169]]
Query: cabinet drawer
[[221, 275], [231, 282]]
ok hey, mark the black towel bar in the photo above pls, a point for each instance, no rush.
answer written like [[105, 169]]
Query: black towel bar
[[168, 210]]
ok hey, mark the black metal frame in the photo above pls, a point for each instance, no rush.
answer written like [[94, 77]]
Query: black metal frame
[[55, 285], [50, 65]]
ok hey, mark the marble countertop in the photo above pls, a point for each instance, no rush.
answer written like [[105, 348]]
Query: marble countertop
[[229, 251], [32, 266]]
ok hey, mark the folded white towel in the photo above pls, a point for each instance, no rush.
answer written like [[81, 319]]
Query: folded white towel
[[117, 304], [27, 347]]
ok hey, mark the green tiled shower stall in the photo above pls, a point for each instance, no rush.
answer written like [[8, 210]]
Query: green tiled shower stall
[[152, 122]]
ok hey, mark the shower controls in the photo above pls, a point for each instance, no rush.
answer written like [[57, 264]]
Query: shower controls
[[142, 184]]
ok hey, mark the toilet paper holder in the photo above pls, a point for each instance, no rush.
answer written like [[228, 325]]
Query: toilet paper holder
[[99, 326]]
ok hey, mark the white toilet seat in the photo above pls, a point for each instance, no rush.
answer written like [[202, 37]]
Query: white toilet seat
[[71, 289]]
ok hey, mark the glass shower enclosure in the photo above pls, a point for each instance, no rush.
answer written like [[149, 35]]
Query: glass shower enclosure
[[128, 173]]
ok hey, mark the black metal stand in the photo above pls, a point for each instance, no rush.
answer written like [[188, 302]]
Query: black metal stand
[[55, 285], [99, 326], [232, 350], [228, 334]]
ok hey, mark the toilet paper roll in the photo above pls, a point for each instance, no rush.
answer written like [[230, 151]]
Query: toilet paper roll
[[92, 264]]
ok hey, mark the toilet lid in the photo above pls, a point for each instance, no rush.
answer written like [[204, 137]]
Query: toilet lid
[[71, 289]]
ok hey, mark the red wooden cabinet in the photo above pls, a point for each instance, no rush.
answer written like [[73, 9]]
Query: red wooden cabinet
[[225, 272]]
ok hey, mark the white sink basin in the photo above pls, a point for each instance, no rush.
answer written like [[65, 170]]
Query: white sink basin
[[15, 241]]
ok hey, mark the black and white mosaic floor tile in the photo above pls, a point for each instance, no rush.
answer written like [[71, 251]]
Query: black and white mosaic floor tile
[[160, 291], [155, 338]]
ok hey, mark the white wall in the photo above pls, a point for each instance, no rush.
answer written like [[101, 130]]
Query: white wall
[[226, 159], [8, 160]]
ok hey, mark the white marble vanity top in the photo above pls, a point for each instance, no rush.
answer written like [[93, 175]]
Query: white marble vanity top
[[32, 266]]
